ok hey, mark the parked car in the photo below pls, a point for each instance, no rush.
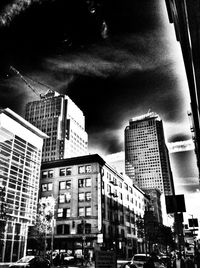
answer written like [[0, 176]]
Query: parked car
[[69, 259], [31, 262], [123, 264], [138, 261]]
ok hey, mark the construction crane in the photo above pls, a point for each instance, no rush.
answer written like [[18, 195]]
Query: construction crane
[[29, 85]]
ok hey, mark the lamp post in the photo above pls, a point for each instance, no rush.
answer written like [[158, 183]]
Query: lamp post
[[83, 239]]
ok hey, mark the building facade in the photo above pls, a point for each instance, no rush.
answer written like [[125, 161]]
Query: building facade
[[155, 203], [60, 118], [96, 207], [146, 155], [185, 15], [20, 161]]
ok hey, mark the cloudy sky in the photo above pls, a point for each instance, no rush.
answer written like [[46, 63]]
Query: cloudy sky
[[116, 59]]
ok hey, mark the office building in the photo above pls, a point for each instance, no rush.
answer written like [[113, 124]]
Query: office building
[[60, 118], [146, 155], [20, 161], [95, 206], [186, 18]]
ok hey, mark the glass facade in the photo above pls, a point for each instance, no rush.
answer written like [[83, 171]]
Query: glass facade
[[20, 160]]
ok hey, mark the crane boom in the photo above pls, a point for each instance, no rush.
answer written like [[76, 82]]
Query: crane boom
[[25, 81], [29, 85]]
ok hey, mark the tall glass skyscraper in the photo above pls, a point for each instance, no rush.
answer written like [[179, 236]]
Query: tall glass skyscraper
[[60, 118], [20, 161], [146, 154]]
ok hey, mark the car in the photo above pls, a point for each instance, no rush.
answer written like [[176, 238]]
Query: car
[[123, 264], [139, 260], [31, 262], [126, 265]]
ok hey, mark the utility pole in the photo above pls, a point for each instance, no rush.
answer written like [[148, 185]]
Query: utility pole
[[83, 239], [193, 233]]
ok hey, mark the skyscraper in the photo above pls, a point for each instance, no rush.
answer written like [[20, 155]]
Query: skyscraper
[[20, 160], [60, 118], [146, 155]]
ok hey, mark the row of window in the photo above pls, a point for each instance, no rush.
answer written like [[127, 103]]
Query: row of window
[[66, 185], [67, 171], [66, 212], [65, 229]]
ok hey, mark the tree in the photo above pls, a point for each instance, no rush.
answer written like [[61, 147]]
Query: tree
[[43, 225]]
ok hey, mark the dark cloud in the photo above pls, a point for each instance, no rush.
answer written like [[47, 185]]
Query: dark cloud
[[110, 79]]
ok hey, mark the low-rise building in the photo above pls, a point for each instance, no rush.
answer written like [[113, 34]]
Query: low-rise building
[[95, 206]]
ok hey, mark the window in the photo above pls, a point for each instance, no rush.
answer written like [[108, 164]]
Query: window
[[88, 211], [88, 182], [65, 185], [81, 197], [68, 197], [81, 169], [47, 174], [80, 228], [62, 172], [44, 174], [81, 183], [108, 188], [88, 228], [60, 213], [62, 185], [88, 169], [61, 198], [68, 212], [66, 228], [68, 171], [81, 211], [68, 185], [84, 169], [126, 186], [50, 186], [50, 173], [62, 229], [44, 187], [88, 196], [59, 229], [84, 182], [47, 187]]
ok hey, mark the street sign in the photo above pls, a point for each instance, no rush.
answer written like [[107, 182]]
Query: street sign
[[175, 203], [193, 222]]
